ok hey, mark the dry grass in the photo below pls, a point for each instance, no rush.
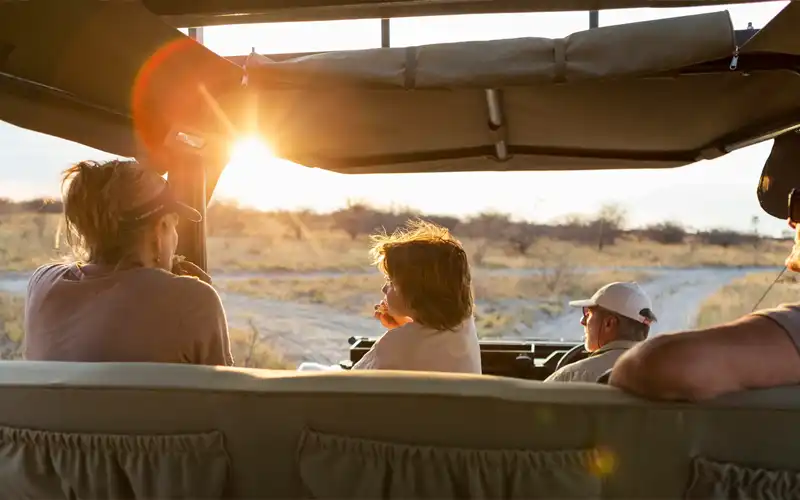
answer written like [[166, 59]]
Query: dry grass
[[504, 304], [510, 305], [27, 240], [354, 293], [358, 293], [12, 313], [738, 298], [250, 351], [333, 251]]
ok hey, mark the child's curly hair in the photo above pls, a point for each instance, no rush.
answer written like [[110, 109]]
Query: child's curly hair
[[430, 269]]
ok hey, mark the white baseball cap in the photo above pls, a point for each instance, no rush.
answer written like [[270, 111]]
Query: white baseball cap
[[624, 298]]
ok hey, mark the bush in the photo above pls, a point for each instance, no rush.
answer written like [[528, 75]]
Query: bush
[[250, 351], [667, 233], [12, 313], [725, 238]]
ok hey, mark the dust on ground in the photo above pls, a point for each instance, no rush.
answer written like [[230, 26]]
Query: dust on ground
[[310, 332]]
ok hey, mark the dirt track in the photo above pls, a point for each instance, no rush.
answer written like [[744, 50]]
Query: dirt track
[[307, 332], [317, 333], [676, 295]]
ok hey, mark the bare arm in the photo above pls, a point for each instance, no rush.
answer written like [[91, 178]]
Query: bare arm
[[750, 353]]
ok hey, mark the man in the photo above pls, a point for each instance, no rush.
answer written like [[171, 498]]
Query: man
[[759, 350], [615, 319]]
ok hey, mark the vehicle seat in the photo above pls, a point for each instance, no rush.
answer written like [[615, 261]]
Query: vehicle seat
[[99, 430]]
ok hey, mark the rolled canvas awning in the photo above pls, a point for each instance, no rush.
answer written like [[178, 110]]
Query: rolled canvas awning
[[183, 13], [628, 50], [645, 95]]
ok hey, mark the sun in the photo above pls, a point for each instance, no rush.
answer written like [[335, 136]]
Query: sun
[[256, 177], [251, 150]]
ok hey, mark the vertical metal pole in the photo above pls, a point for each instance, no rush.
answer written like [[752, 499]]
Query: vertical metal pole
[[189, 181], [196, 34], [386, 36], [594, 19]]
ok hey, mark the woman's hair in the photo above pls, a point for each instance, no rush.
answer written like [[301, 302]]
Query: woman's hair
[[94, 195], [430, 269]]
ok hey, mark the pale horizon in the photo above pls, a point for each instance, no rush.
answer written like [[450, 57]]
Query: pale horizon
[[719, 193]]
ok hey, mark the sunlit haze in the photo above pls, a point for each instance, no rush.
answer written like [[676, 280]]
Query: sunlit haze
[[32, 162]]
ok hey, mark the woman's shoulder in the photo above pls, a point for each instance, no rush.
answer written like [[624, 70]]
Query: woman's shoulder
[[57, 267], [48, 273], [186, 289], [194, 290]]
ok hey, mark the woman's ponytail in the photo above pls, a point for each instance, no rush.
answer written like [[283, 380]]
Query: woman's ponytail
[[91, 194]]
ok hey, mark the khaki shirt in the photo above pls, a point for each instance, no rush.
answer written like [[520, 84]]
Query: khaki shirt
[[590, 369]]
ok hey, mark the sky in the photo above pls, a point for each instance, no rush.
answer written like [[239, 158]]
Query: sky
[[718, 193]]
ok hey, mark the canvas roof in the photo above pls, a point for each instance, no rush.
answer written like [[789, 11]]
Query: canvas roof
[[643, 95], [112, 75], [184, 13]]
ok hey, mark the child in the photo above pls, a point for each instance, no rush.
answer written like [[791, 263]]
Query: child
[[427, 306]]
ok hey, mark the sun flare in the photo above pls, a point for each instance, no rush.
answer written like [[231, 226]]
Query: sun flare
[[251, 150], [256, 177]]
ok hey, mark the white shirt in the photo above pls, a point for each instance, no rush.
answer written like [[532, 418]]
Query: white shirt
[[590, 369], [415, 347]]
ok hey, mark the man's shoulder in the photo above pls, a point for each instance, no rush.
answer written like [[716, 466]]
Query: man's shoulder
[[586, 370], [573, 372]]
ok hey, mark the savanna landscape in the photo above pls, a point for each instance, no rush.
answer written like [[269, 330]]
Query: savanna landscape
[[297, 285]]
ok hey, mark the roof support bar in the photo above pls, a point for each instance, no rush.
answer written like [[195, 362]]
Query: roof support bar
[[196, 34], [386, 33], [594, 19], [497, 126], [190, 179]]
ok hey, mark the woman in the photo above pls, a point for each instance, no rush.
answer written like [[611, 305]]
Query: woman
[[427, 306], [132, 299]]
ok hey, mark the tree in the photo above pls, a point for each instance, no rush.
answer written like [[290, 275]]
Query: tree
[[484, 228], [446, 221], [225, 219], [486, 225], [355, 219], [608, 223], [521, 236], [754, 222], [722, 237], [666, 233], [297, 222]]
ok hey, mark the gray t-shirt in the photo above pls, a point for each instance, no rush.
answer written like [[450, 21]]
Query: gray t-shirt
[[788, 317], [136, 315]]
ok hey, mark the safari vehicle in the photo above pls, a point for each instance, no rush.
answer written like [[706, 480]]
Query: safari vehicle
[[120, 77]]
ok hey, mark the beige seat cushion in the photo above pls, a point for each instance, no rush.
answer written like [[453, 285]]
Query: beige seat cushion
[[41, 464]]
